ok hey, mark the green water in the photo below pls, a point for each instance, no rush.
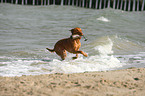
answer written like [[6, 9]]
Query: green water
[[25, 32]]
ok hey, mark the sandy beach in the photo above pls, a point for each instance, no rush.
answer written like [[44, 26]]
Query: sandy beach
[[126, 82]]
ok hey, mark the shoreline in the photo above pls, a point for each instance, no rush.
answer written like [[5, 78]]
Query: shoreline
[[125, 82]]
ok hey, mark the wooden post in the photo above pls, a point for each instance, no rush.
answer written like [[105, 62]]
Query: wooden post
[[72, 2], [34, 2], [68, 2], [41, 2], [1, 1], [53, 2], [125, 6], [90, 4], [100, 5], [121, 4], [48, 2], [83, 5], [142, 6], [22, 2], [16, 2], [118, 4], [61, 2], [114, 3], [76, 2], [96, 4], [44, 2], [138, 5], [134, 2], [80, 3], [25, 2], [108, 3], [104, 3], [129, 5]]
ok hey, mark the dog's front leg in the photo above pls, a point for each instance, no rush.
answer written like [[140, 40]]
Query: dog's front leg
[[81, 52]]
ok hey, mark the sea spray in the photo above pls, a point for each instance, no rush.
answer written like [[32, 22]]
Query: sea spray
[[105, 49], [24, 39], [103, 19]]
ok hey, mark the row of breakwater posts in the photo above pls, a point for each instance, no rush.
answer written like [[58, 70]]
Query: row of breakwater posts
[[126, 5]]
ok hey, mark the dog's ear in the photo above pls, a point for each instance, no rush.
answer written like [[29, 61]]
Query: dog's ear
[[72, 30]]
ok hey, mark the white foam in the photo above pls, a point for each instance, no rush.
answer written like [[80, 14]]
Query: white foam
[[103, 19], [99, 62], [19, 67], [105, 49]]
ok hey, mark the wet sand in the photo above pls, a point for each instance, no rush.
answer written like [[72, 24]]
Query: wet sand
[[127, 82]]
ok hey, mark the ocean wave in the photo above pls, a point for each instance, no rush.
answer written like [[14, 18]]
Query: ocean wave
[[103, 19]]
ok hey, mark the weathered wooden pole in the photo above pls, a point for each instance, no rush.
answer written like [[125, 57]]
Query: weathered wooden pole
[[90, 4], [129, 5], [118, 4], [41, 2], [83, 5], [22, 2], [76, 2], [108, 3], [104, 3], [48, 2], [142, 6], [96, 4], [138, 5], [100, 5], [114, 4], [53, 2], [134, 2], [44, 2], [16, 2], [33, 2], [73, 2], [121, 4], [61, 2], [25, 2], [68, 2], [80, 3], [125, 5]]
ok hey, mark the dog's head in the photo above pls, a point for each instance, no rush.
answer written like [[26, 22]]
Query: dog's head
[[77, 33]]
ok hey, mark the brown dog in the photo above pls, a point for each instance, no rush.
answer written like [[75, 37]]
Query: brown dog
[[71, 44]]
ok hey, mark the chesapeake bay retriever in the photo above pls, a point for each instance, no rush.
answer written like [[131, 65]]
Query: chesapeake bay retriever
[[71, 45]]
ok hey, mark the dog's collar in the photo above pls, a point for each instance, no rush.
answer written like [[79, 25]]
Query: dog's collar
[[71, 37]]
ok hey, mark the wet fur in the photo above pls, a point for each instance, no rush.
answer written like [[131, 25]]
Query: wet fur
[[71, 45]]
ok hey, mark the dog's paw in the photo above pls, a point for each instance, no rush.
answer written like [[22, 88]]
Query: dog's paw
[[74, 58]]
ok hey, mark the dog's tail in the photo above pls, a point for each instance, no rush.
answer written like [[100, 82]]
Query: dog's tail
[[51, 50]]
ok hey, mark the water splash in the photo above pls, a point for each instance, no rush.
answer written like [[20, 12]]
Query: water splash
[[103, 19]]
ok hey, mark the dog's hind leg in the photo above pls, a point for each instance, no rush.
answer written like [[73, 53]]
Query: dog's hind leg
[[61, 53], [75, 57]]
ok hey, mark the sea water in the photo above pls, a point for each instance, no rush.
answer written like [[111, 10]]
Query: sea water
[[116, 39]]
